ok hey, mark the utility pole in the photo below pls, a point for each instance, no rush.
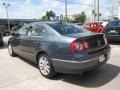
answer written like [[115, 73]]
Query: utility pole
[[97, 4], [66, 10], [94, 10], [113, 9], [6, 5]]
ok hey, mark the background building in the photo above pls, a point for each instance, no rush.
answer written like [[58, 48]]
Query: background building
[[14, 22]]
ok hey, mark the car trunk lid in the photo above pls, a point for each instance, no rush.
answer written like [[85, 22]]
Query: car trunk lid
[[96, 41]]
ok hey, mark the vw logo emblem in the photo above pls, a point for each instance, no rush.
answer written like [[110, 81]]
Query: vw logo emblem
[[99, 43]]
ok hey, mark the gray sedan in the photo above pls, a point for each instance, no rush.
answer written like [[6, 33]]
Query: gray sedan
[[59, 47]]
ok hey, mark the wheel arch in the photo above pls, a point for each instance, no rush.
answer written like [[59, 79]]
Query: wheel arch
[[37, 55]]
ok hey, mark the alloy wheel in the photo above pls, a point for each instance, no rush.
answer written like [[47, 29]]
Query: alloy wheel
[[44, 65]]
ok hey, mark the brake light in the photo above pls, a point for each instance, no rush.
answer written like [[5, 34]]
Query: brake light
[[78, 46]]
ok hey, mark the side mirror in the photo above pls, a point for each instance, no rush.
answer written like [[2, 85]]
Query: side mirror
[[13, 33]]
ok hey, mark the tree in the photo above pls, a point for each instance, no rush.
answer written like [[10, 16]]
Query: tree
[[44, 18], [81, 18], [2, 28], [15, 27], [48, 15]]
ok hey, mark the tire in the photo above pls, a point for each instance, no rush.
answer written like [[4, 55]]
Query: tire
[[45, 66], [10, 50]]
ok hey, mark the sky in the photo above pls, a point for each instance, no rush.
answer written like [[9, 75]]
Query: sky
[[30, 9]]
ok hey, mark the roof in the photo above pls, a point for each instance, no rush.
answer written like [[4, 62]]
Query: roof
[[44, 22]]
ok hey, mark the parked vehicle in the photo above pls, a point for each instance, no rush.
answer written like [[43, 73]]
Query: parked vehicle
[[94, 26], [59, 47], [1, 39], [112, 30], [104, 23], [6, 32]]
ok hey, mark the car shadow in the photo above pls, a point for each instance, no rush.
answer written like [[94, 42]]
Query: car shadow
[[28, 62], [93, 78]]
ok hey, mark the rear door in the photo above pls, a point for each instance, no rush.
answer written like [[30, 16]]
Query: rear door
[[37, 37]]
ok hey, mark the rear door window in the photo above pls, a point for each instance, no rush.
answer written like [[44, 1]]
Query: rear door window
[[37, 31]]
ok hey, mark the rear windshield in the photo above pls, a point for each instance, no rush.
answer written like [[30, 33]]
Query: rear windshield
[[65, 28]]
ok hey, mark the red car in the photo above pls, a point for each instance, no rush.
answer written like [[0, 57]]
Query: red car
[[94, 26]]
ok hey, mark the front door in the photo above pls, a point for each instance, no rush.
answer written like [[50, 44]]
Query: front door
[[36, 37], [20, 41]]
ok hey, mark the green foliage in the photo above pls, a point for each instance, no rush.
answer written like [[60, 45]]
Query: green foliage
[[44, 18], [48, 15], [80, 18], [14, 28]]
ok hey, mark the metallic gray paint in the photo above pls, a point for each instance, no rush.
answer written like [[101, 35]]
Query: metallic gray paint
[[56, 46]]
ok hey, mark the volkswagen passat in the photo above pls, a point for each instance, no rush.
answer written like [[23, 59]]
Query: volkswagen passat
[[59, 47]]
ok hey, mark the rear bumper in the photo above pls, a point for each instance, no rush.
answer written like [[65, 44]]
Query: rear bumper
[[77, 67]]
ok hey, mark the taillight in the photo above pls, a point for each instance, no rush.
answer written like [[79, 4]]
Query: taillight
[[86, 45], [78, 46]]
